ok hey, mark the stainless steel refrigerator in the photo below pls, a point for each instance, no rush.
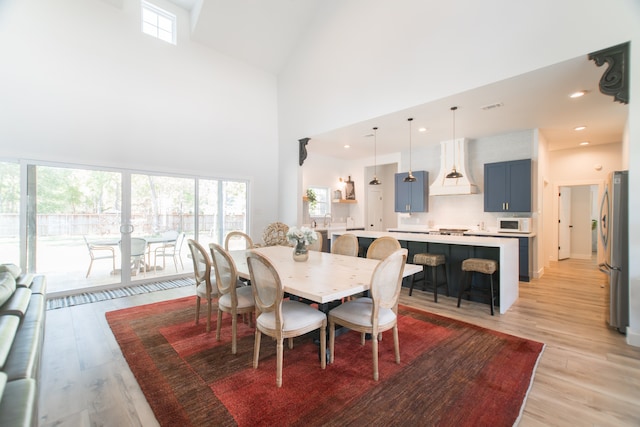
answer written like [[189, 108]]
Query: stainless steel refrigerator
[[614, 234]]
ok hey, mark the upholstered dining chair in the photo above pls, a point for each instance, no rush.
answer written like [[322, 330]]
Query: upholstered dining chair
[[345, 244], [233, 296], [275, 234], [382, 247], [317, 245], [237, 240], [277, 318], [170, 249], [376, 314], [100, 252], [202, 273]]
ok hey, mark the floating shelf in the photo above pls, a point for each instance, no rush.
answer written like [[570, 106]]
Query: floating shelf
[[344, 201]]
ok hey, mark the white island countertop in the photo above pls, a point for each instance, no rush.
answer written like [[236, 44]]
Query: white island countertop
[[508, 262]]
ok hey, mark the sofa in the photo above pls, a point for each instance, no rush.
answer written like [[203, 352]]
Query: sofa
[[22, 319]]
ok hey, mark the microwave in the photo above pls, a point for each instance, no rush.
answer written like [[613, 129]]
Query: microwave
[[514, 225]]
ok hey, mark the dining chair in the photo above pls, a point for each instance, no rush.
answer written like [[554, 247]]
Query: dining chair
[[202, 273], [100, 252], [275, 234], [376, 314], [233, 296], [345, 244], [382, 247], [317, 245], [171, 249], [277, 318], [237, 240]]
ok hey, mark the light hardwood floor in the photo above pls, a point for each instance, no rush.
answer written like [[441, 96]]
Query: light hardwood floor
[[587, 375]]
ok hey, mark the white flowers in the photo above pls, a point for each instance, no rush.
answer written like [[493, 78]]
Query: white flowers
[[303, 235]]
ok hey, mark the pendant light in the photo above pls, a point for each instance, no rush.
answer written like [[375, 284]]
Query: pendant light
[[375, 180], [409, 177], [454, 173]]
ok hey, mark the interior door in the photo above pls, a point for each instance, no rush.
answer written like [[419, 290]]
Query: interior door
[[375, 210], [564, 223]]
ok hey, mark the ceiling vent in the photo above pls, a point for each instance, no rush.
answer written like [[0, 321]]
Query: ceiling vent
[[492, 106]]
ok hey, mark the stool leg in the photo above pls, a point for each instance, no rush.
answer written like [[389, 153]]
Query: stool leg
[[446, 280], [462, 286], [413, 281], [491, 292], [434, 282]]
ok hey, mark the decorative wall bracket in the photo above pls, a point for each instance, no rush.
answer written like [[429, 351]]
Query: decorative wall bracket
[[302, 150], [615, 80]]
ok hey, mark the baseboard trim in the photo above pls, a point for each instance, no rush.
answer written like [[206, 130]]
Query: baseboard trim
[[633, 337]]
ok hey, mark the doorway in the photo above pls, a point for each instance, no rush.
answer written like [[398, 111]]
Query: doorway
[[577, 221]]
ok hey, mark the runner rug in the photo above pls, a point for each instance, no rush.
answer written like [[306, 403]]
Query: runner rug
[[451, 373]]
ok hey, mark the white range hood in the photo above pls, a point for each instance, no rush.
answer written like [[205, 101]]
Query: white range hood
[[453, 155]]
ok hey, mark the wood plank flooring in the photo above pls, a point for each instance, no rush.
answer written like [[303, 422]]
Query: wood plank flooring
[[587, 375]]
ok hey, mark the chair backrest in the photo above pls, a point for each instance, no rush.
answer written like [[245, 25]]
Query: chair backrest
[[201, 264], [275, 234], [237, 240], [138, 246], [345, 244], [382, 247], [86, 241], [225, 271], [180, 242], [170, 235], [317, 245], [266, 285], [386, 282]]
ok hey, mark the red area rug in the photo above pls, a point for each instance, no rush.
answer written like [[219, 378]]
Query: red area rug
[[451, 373]]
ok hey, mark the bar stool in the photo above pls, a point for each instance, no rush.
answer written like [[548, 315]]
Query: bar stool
[[477, 265], [431, 262]]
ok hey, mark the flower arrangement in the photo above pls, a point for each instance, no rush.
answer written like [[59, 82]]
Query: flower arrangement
[[302, 235]]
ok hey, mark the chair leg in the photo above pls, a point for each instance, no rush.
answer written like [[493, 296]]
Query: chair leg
[[234, 330], [90, 264], [374, 350], [256, 348], [413, 281], [323, 345], [463, 286], [332, 339], [279, 351], [209, 316], [197, 310], [434, 282], [396, 343], [446, 279], [219, 325], [491, 291]]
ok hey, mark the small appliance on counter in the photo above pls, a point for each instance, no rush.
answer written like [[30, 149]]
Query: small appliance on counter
[[514, 225]]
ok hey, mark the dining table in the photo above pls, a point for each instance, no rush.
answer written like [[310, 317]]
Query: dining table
[[323, 278]]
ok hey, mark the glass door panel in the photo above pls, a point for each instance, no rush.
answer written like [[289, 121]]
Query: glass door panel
[[73, 227], [9, 213], [162, 214]]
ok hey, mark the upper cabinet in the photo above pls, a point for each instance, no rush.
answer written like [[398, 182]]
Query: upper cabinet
[[507, 186], [412, 196]]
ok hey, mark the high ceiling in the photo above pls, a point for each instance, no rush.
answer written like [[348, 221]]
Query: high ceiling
[[264, 32]]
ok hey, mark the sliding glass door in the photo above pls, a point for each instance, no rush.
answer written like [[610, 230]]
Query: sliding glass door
[[9, 213]]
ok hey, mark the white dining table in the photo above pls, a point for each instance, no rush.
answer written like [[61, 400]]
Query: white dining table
[[323, 278]]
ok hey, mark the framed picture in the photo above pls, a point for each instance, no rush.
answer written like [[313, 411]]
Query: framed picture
[[350, 190]]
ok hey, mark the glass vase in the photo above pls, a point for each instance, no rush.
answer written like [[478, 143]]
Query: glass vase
[[300, 252]]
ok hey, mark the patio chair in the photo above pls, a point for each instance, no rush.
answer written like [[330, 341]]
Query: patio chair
[[100, 252], [138, 252], [171, 249]]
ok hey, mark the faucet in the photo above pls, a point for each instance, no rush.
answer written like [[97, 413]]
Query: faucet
[[327, 220]]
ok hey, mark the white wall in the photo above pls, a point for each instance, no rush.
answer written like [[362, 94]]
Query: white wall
[[81, 84], [366, 58]]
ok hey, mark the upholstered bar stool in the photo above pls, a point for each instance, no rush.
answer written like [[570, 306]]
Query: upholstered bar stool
[[431, 262], [478, 265]]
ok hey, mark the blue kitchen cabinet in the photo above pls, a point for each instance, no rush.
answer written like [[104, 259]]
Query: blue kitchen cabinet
[[412, 196], [507, 186]]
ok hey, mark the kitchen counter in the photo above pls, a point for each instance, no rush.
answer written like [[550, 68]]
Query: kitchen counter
[[504, 250]]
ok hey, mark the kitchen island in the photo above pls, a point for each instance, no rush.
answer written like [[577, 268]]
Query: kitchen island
[[456, 249]]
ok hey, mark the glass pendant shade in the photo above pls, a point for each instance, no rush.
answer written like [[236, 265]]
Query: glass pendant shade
[[409, 177], [375, 180]]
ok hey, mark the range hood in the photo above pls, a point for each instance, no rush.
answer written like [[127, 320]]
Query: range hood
[[453, 156]]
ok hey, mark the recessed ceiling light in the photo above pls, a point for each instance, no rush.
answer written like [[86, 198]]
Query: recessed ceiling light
[[347, 146], [579, 128], [423, 129], [578, 94], [584, 143]]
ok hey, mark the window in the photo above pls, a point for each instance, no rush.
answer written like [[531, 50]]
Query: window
[[322, 205], [158, 23]]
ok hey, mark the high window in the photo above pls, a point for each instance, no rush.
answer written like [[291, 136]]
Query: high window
[[158, 23]]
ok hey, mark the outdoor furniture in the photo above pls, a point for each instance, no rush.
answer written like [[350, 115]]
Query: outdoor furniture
[[277, 318], [100, 252], [138, 252], [234, 298], [171, 249], [202, 274], [376, 314]]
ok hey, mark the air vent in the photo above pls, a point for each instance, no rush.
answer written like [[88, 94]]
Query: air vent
[[492, 106]]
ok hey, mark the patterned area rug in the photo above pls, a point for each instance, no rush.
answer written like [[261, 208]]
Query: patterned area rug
[[451, 373], [89, 297]]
